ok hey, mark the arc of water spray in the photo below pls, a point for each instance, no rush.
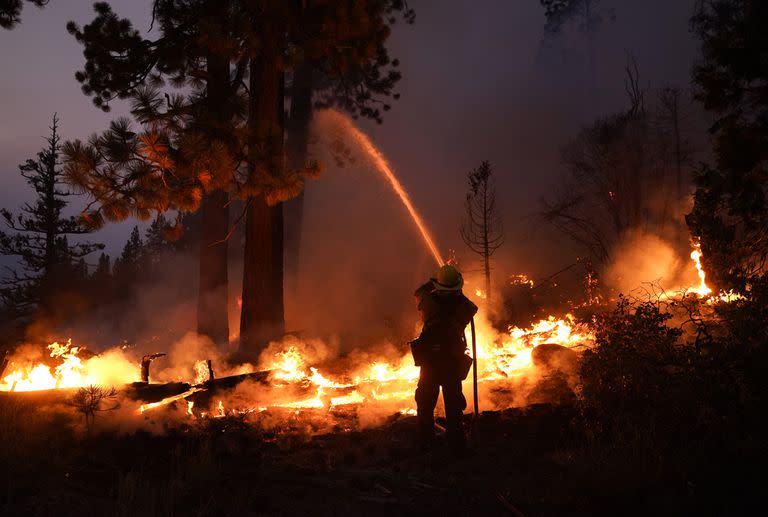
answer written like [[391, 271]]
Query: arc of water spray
[[383, 166]]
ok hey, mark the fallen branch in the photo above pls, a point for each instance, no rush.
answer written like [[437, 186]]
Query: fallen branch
[[509, 506]]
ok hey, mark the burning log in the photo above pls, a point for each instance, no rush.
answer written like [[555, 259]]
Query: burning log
[[169, 400], [144, 392], [145, 362], [224, 383]]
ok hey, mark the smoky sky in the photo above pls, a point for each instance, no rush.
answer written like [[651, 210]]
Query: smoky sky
[[481, 81]]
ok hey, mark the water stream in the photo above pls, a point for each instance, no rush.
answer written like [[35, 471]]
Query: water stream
[[380, 163]]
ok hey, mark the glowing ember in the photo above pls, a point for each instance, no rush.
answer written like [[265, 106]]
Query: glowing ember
[[724, 297], [168, 400], [521, 280]]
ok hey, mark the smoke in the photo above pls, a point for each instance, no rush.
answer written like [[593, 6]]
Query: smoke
[[640, 258], [656, 255], [361, 255]]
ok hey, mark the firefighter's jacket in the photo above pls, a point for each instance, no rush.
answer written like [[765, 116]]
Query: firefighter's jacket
[[445, 315]]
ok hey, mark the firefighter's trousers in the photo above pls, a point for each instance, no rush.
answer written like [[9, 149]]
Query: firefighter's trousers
[[427, 391]]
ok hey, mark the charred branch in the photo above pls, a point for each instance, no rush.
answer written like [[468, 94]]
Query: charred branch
[[145, 362]]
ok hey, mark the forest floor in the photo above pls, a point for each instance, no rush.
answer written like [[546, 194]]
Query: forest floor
[[523, 461]]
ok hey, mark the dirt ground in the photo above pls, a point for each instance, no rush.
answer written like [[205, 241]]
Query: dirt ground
[[522, 462]]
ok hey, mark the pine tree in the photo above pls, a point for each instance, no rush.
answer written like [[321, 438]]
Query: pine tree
[[38, 235], [730, 212], [312, 83], [189, 138], [195, 152], [128, 265], [10, 11], [348, 40], [102, 275], [482, 229], [157, 242]]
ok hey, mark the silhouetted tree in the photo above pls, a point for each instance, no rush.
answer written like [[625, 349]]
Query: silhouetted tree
[[670, 119], [101, 282], [617, 174], [730, 213], [269, 38], [103, 271], [186, 157], [38, 236], [128, 265], [10, 11], [482, 229], [157, 242], [344, 37], [359, 91], [91, 400]]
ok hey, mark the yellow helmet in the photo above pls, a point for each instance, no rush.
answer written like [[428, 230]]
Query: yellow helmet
[[448, 278]]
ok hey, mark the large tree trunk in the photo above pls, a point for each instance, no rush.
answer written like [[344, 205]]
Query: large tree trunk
[[212, 315], [212, 318], [297, 142], [262, 318]]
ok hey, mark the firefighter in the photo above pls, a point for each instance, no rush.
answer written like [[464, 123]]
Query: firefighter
[[440, 351]]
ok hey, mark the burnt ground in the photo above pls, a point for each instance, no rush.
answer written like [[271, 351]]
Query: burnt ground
[[529, 461]]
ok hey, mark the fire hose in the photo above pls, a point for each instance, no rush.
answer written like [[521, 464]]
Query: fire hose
[[474, 364]]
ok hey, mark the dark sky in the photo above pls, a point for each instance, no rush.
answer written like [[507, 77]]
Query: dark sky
[[479, 83]]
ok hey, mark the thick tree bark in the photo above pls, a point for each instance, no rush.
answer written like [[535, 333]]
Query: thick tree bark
[[212, 316], [262, 318], [297, 143]]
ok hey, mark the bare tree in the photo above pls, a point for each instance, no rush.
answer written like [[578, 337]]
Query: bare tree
[[671, 121], [482, 229], [90, 400], [615, 174]]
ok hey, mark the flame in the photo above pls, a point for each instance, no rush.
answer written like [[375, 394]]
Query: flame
[[70, 371], [384, 384], [510, 355], [702, 289], [521, 280], [289, 366], [201, 371], [168, 400]]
